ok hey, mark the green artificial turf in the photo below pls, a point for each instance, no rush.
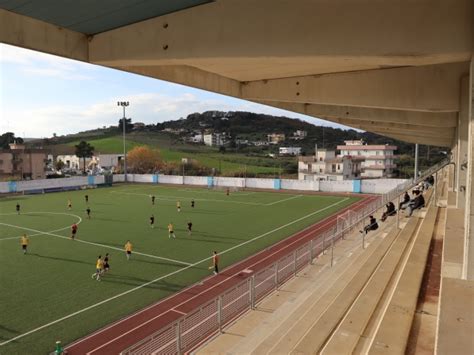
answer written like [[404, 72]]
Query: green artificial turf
[[54, 279]]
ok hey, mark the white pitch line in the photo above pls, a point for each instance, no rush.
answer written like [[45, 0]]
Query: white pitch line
[[174, 308], [95, 244], [162, 277], [173, 198], [285, 199], [56, 230]]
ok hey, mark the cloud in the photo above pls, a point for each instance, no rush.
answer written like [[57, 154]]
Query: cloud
[[144, 107], [41, 64]]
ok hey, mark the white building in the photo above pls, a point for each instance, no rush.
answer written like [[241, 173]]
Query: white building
[[290, 151], [71, 161], [325, 165], [197, 138], [215, 139], [275, 138], [379, 159], [299, 134], [108, 161]]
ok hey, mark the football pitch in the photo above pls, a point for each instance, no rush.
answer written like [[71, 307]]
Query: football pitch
[[48, 294]]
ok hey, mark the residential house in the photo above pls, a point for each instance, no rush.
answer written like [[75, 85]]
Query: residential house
[[23, 163], [325, 165], [378, 159]]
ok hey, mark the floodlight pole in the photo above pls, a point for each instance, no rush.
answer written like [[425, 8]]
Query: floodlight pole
[[124, 104]]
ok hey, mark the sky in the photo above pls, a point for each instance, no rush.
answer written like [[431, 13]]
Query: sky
[[42, 94]]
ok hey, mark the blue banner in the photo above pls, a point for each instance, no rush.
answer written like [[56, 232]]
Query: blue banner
[[277, 184], [356, 186]]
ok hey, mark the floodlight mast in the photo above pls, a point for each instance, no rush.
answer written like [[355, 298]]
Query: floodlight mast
[[124, 104]]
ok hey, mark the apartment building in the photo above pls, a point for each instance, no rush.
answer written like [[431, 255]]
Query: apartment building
[[378, 159], [215, 139], [21, 163], [325, 165]]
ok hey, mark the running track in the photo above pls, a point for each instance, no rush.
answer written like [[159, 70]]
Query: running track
[[128, 331]]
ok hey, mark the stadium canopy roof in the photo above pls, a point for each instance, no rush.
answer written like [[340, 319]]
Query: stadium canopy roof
[[94, 16], [390, 67]]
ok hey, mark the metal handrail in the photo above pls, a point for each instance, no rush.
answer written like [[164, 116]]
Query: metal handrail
[[326, 244]]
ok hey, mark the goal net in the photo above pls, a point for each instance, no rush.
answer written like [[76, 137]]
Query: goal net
[[225, 188]]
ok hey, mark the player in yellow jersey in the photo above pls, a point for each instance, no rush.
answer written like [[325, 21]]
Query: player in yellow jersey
[[178, 206], [69, 204], [171, 230], [24, 243], [99, 266], [128, 249]]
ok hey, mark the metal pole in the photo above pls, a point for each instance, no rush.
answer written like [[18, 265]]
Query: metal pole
[[276, 275], [252, 292], [324, 243], [436, 189], [124, 120], [124, 151], [416, 162], [219, 313], [311, 251], [294, 262], [332, 251], [178, 337], [398, 212]]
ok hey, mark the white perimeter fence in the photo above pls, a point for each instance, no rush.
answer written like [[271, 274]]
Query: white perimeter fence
[[187, 332], [374, 186]]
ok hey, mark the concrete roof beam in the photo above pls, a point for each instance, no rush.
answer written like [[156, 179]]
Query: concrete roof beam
[[425, 88]]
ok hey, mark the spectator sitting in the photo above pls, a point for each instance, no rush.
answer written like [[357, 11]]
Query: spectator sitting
[[391, 211], [416, 203], [426, 183], [406, 200], [371, 226]]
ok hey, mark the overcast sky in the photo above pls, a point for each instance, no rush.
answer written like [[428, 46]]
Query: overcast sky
[[41, 94]]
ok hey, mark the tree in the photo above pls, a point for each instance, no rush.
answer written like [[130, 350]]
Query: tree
[[142, 160], [84, 150], [59, 165], [7, 138], [128, 125]]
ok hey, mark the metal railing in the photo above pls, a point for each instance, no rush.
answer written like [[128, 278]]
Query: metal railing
[[211, 317]]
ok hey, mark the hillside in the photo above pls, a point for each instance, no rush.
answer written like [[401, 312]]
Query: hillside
[[241, 126]]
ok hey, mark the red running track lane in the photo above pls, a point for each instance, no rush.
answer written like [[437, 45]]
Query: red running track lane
[[131, 329]]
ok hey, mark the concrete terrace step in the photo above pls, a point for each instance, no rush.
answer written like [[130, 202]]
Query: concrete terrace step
[[453, 248], [285, 337], [456, 321], [347, 335], [258, 330], [341, 299], [392, 334]]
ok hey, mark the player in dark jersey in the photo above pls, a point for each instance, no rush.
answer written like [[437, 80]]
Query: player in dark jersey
[[190, 227], [88, 211], [86, 198], [73, 231], [18, 208], [192, 203], [152, 221], [106, 263], [152, 199]]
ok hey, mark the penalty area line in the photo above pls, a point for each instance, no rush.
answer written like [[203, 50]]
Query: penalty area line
[[95, 244]]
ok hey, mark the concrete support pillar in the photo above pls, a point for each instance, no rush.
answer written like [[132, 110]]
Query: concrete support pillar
[[461, 149], [468, 264]]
